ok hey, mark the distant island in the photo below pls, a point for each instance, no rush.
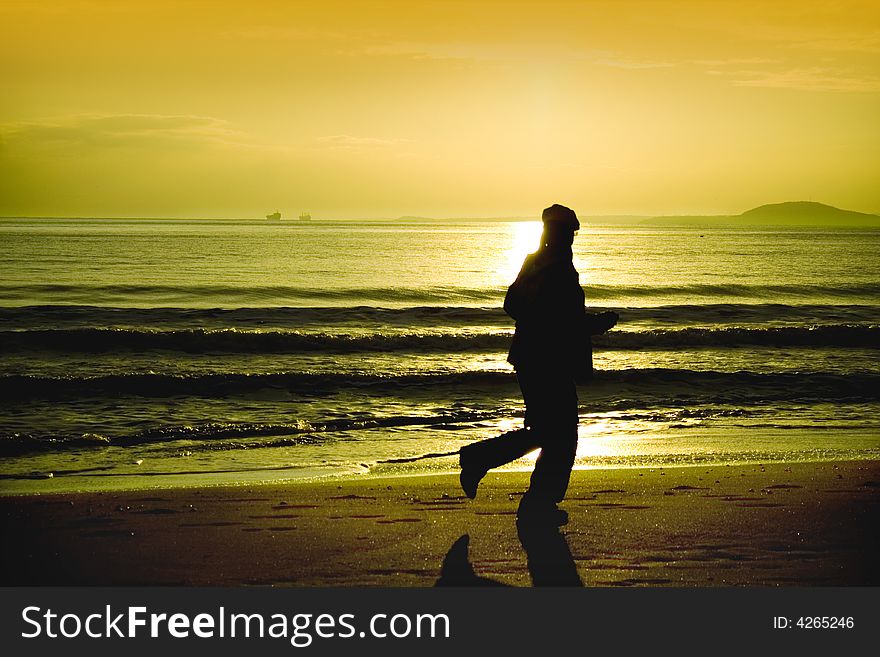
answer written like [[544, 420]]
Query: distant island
[[790, 213]]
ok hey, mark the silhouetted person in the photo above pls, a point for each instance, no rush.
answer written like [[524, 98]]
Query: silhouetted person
[[551, 349]]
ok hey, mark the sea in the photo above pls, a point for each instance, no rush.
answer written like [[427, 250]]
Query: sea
[[138, 353]]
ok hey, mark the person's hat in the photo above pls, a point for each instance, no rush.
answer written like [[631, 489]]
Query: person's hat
[[561, 216]]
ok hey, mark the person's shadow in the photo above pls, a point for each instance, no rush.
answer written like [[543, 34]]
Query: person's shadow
[[549, 560]]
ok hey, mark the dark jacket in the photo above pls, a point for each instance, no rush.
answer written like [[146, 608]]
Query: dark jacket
[[547, 302]]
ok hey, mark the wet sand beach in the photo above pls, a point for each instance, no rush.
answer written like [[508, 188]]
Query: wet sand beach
[[730, 525]]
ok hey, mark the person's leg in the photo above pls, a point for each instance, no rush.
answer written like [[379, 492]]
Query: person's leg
[[478, 458], [552, 471], [500, 450], [552, 409]]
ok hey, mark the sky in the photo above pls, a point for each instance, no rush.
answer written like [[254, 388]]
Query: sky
[[441, 109]]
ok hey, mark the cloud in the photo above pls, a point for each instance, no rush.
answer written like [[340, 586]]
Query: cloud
[[855, 44], [285, 33], [823, 37], [360, 43], [485, 52], [631, 64], [806, 79], [507, 52], [124, 130], [781, 74], [349, 142], [614, 59], [733, 61]]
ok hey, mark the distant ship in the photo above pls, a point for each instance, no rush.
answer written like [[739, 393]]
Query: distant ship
[[275, 216], [305, 216]]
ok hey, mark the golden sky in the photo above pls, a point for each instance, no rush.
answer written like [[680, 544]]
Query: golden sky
[[381, 109]]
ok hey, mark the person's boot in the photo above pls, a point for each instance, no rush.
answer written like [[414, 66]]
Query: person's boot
[[472, 471], [536, 511]]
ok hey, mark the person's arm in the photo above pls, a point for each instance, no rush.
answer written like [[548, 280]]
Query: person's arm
[[522, 298], [599, 323]]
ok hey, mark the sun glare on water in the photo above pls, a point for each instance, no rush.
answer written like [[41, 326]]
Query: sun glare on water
[[524, 239]]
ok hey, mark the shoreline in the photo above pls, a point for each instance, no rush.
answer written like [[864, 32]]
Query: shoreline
[[788, 524], [341, 477]]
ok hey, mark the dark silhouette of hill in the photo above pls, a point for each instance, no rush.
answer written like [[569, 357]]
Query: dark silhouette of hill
[[790, 213], [801, 211]]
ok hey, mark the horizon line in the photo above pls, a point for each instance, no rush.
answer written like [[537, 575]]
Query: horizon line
[[257, 217]]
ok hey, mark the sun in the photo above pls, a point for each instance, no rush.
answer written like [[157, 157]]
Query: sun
[[524, 239]]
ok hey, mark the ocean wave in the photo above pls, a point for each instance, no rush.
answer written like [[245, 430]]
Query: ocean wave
[[237, 341], [734, 290], [218, 436], [76, 316], [202, 385], [663, 384], [72, 293], [249, 317], [226, 293], [835, 335], [295, 342]]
